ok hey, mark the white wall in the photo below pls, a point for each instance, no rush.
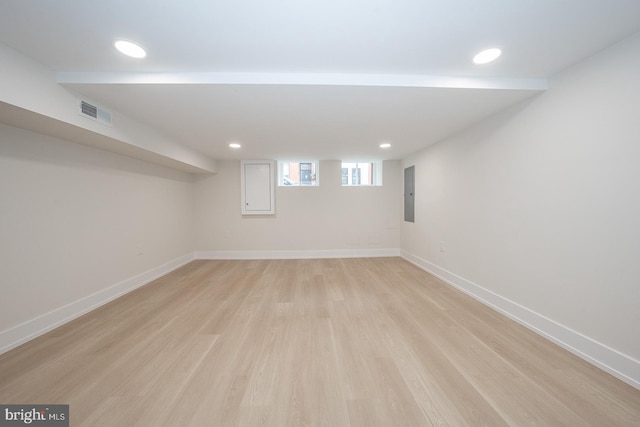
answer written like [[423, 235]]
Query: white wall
[[538, 209], [71, 218], [322, 218]]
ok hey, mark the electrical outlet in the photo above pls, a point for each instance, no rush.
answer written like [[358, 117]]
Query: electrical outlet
[[139, 250], [226, 234], [442, 246]]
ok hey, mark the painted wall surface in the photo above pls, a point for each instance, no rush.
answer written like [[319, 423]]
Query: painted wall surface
[[326, 217], [72, 217], [541, 203]]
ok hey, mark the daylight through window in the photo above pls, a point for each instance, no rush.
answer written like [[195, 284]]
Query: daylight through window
[[297, 173], [361, 173]]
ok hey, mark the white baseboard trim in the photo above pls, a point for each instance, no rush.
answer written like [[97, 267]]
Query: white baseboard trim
[[312, 254], [33, 328], [608, 359]]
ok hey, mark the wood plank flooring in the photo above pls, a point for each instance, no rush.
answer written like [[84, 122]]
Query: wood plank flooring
[[336, 342]]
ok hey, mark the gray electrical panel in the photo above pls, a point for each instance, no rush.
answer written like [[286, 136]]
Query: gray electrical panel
[[409, 194]]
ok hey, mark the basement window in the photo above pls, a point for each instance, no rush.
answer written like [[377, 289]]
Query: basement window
[[297, 173], [355, 174]]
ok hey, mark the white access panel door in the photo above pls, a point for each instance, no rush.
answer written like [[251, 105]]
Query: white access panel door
[[258, 187]]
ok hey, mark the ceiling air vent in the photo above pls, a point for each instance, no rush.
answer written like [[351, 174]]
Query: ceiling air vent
[[96, 113]]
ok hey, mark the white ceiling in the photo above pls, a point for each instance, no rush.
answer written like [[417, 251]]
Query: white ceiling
[[311, 79]]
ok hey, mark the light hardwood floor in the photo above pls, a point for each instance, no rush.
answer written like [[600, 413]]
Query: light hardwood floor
[[337, 342]]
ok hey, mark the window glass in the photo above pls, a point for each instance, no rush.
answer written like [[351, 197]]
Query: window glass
[[297, 173], [361, 173]]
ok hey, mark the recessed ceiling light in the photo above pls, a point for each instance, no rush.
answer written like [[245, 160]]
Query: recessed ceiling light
[[385, 145], [234, 145], [130, 49], [486, 56]]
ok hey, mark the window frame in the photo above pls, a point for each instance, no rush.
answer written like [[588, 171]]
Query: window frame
[[315, 173], [351, 174]]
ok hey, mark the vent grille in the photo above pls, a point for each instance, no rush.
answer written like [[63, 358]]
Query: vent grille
[[88, 109], [96, 113]]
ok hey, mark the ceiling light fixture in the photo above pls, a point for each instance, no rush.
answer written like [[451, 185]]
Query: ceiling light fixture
[[486, 56], [385, 145], [234, 145], [130, 49]]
